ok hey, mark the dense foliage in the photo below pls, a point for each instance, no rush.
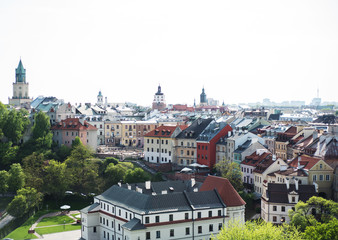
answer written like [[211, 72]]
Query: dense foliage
[[31, 165], [253, 230], [232, 172]]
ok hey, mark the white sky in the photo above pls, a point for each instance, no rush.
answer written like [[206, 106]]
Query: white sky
[[240, 51]]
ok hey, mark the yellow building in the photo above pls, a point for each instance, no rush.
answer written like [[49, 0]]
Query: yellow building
[[129, 137]]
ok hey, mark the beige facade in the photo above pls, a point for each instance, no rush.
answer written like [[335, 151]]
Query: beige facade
[[322, 174], [281, 149], [221, 152], [129, 134], [186, 151], [113, 133]]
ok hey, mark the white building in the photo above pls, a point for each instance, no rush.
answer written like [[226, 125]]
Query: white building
[[279, 198], [162, 210]]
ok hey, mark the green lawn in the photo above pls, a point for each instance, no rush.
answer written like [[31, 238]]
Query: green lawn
[[22, 232], [77, 216], [61, 228], [55, 221]]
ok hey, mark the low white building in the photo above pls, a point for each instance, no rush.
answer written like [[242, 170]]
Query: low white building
[[279, 198], [162, 210]]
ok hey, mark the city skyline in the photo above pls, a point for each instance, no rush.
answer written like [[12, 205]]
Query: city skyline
[[240, 53]]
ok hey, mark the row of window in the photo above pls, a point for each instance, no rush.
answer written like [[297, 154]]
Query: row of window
[[158, 150], [187, 231], [158, 141], [199, 147], [202, 156], [321, 177], [188, 152], [186, 216], [188, 144], [111, 209], [164, 159], [246, 170]]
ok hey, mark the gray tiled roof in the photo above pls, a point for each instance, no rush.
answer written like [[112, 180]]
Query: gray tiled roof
[[134, 224], [177, 200], [93, 207]]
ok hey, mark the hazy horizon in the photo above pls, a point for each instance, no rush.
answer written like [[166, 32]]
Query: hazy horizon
[[241, 52]]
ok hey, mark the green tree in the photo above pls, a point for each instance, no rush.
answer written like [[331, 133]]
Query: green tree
[[77, 142], [3, 181], [230, 171], [253, 230], [302, 217], [33, 169], [16, 179], [116, 173], [55, 179], [322, 231], [25, 200], [8, 154], [41, 131], [82, 169], [33, 197], [17, 207], [135, 175], [14, 125], [63, 152]]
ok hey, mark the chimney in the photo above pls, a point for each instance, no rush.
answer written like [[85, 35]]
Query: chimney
[[164, 191], [193, 182], [273, 157], [229, 134], [120, 184], [296, 183], [148, 184], [287, 182], [139, 190], [299, 158], [129, 186]]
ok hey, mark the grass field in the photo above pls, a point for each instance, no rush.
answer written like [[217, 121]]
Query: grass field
[[55, 221], [77, 216], [22, 232], [55, 229]]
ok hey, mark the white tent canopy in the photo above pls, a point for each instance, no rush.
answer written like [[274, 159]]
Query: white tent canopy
[[65, 207], [186, 169]]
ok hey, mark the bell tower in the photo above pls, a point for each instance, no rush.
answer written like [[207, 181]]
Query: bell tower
[[20, 87]]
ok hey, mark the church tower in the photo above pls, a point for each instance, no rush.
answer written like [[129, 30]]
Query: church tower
[[20, 87], [99, 99], [203, 98], [159, 100]]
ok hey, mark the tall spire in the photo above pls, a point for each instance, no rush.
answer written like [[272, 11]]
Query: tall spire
[[20, 73]]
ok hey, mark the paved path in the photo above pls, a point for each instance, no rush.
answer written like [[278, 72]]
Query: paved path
[[69, 235], [5, 220], [34, 226]]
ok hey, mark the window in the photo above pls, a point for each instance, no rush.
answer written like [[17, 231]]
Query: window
[[199, 215], [186, 216], [158, 234], [147, 235], [219, 213], [219, 226], [206, 147], [293, 199], [210, 213], [274, 208], [172, 233], [162, 142], [314, 177], [211, 227], [104, 234], [327, 177], [147, 219], [320, 166], [187, 231], [283, 209], [157, 219], [147, 140], [126, 215], [321, 177], [119, 227], [100, 219], [112, 224], [274, 218], [181, 143], [199, 229], [94, 229], [171, 217], [119, 212]]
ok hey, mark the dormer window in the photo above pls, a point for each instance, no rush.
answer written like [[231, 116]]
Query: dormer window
[[293, 199]]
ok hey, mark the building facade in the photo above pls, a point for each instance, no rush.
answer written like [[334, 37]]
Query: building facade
[[159, 100]]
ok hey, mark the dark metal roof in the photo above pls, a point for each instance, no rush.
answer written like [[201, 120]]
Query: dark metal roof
[[195, 129], [278, 193]]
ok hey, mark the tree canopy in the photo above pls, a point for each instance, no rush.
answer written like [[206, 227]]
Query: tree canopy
[[230, 171]]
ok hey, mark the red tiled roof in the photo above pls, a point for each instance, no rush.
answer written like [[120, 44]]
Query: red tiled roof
[[254, 159], [305, 160], [229, 195], [72, 124], [162, 131]]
